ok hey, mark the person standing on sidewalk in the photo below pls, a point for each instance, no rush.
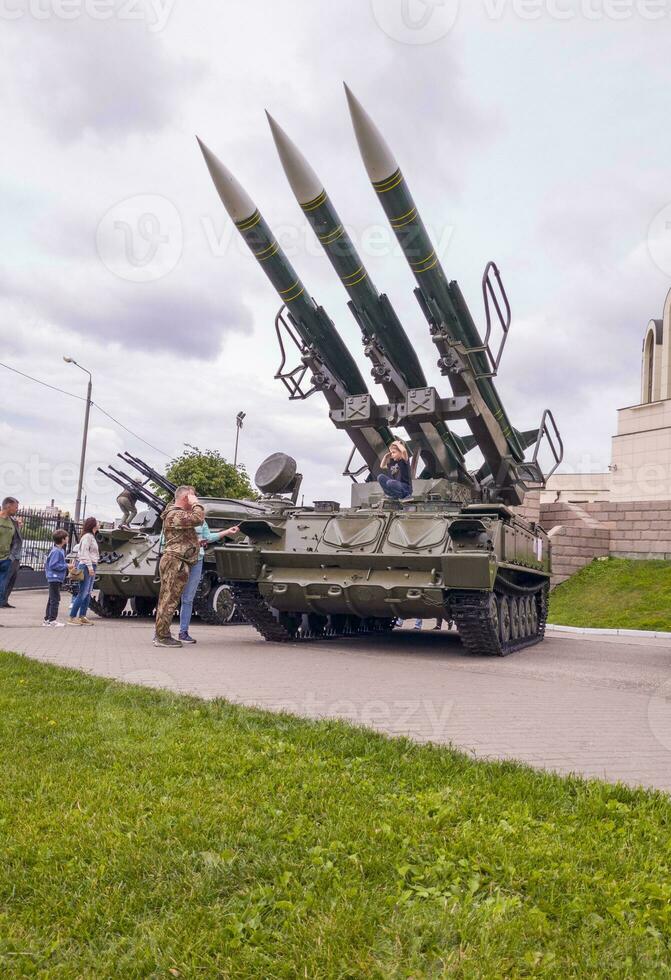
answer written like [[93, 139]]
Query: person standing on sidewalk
[[55, 569], [205, 537], [10, 505], [182, 548], [15, 558], [88, 556]]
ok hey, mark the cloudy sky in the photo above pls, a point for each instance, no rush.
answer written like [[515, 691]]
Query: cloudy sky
[[534, 132]]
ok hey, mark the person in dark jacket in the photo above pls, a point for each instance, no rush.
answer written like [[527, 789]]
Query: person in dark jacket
[[55, 569], [397, 482]]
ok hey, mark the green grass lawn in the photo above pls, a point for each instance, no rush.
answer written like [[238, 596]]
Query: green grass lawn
[[150, 835], [615, 593]]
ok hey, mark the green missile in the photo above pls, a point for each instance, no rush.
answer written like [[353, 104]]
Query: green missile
[[373, 311], [440, 299], [311, 321]]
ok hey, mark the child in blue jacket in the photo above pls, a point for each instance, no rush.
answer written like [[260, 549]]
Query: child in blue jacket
[[55, 569]]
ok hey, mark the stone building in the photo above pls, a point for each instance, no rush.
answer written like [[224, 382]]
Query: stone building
[[625, 512]]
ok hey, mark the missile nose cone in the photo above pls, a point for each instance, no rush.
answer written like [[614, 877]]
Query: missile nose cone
[[303, 181], [234, 197], [378, 159]]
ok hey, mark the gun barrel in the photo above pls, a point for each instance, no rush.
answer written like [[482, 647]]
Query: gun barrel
[[316, 330], [441, 301], [397, 366], [137, 488], [148, 471], [146, 497]]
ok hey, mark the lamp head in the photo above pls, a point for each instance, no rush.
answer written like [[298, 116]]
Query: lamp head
[[68, 360]]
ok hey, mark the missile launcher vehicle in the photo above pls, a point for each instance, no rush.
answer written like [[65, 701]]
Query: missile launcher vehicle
[[456, 546], [127, 580]]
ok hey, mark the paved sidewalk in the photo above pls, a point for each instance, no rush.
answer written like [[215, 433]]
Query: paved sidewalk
[[599, 706]]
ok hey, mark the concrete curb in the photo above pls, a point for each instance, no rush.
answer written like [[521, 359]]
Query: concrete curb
[[604, 632]]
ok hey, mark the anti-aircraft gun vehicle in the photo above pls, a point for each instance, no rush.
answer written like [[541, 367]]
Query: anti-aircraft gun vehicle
[[456, 547], [128, 568]]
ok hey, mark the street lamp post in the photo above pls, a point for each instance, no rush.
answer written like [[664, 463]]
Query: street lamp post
[[239, 418], [82, 460]]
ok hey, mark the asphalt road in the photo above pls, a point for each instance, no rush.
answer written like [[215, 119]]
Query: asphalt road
[[598, 706]]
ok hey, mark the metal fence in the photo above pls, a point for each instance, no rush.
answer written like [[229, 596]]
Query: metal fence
[[37, 533]]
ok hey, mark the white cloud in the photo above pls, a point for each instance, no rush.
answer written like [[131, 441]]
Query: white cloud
[[540, 144]]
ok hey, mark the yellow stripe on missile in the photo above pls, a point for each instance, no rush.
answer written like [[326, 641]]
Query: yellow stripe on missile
[[384, 185], [417, 262], [399, 217], [289, 299], [265, 251], [274, 247], [352, 275], [355, 282], [397, 179], [289, 288], [428, 268], [397, 223], [248, 222], [331, 236], [316, 203]]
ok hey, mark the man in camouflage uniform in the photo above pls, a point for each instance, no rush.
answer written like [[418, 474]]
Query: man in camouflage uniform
[[180, 521]]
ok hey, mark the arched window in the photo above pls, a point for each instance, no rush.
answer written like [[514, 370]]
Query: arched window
[[648, 366]]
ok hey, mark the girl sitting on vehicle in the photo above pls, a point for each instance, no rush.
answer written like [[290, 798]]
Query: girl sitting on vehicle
[[398, 483]]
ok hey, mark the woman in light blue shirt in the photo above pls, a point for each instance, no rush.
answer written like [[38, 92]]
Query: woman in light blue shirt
[[205, 537]]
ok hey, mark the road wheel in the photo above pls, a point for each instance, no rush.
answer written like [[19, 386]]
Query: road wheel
[[493, 614], [515, 624], [504, 619], [214, 603]]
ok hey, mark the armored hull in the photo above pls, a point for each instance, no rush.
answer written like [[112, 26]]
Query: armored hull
[[127, 581], [324, 571]]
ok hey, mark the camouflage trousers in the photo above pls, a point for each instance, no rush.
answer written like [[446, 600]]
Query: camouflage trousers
[[174, 575]]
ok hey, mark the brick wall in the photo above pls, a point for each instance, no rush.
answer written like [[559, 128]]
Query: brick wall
[[624, 529]]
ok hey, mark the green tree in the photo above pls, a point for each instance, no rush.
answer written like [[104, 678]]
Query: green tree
[[210, 474]]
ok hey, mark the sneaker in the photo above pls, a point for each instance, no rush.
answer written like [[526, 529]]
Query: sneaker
[[417, 627], [167, 641], [437, 627], [7, 605], [86, 622], [46, 622], [74, 622], [56, 623], [185, 638]]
